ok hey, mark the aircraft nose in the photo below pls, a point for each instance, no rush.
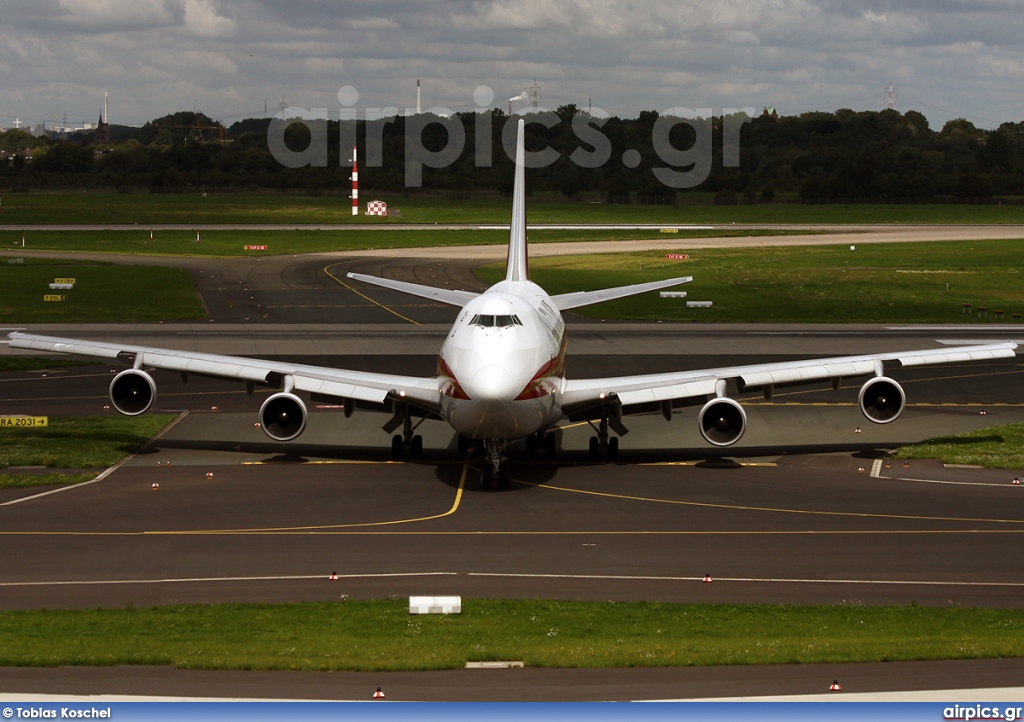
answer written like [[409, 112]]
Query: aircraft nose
[[492, 383]]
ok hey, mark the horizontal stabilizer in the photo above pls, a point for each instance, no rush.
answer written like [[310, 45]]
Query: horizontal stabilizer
[[444, 295], [565, 301]]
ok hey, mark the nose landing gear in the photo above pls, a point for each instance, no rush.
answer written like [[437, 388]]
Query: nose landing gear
[[492, 470]]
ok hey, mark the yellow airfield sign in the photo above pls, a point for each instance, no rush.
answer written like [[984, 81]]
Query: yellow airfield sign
[[23, 422]]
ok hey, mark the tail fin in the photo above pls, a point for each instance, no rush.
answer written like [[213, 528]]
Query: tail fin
[[517, 268]]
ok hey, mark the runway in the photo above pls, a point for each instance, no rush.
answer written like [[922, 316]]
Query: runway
[[786, 516]]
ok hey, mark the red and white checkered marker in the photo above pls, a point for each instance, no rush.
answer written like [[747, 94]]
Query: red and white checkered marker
[[376, 208], [378, 694], [835, 686]]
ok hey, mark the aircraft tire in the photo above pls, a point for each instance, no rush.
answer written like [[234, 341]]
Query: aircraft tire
[[396, 446], [613, 448], [595, 448], [416, 447]]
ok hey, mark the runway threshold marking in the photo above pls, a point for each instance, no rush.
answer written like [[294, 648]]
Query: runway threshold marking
[[327, 270], [511, 575], [776, 510]]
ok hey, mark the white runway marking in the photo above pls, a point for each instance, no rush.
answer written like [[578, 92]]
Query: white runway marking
[[511, 575]]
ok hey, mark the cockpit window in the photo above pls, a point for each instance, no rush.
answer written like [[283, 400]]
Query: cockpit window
[[488, 321]]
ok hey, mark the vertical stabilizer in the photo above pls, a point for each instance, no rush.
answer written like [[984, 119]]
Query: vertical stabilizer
[[517, 267]]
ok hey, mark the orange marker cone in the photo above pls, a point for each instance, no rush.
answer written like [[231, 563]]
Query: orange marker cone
[[708, 579], [857, 430], [860, 468], [378, 694], [982, 413], [906, 464], [836, 687], [209, 475], [155, 487], [1016, 480], [334, 575]]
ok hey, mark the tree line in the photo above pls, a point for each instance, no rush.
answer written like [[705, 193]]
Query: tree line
[[814, 157]]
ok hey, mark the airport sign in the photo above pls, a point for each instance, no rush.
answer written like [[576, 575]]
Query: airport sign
[[23, 422]]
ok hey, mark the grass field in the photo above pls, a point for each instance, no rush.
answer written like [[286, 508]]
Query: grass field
[[883, 283], [145, 208], [91, 442], [101, 293], [232, 243], [381, 635], [997, 447], [30, 363]]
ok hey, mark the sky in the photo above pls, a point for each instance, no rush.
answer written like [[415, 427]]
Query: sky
[[231, 58]]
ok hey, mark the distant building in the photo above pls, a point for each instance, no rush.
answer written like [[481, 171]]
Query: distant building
[[770, 112], [102, 131]]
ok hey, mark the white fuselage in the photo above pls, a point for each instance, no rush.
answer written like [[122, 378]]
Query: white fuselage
[[502, 366]]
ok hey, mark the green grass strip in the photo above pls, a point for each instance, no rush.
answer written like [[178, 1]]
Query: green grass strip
[[876, 283], [21, 481], [146, 209], [91, 442], [997, 447], [130, 294], [381, 635], [34, 363]]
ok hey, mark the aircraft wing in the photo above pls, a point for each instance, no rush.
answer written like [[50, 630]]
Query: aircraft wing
[[654, 389], [362, 386], [444, 295], [565, 301]]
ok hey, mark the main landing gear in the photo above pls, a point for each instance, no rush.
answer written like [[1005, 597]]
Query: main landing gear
[[408, 443], [605, 445]]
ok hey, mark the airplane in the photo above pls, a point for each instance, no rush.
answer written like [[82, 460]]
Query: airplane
[[501, 372]]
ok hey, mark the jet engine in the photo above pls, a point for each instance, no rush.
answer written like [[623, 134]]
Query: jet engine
[[283, 416], [881, 400], [722, 421], [132, 392]]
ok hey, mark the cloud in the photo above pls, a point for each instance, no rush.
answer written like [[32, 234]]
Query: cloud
[[948, 57], [201, 19]]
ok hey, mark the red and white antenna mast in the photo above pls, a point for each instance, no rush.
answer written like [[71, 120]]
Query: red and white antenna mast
[[535, 95], [890, 96], [355, 184]]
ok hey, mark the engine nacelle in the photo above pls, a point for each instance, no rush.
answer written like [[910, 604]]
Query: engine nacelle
[[722, 421], [132, 392], [283, 416], [881, 400]]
